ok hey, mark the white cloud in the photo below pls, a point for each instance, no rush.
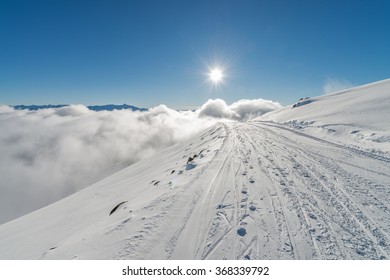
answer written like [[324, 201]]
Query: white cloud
[[72, 110], [247, 109], [48, 154], [216, 108], [333, 85], [241, 110], [5, 109]]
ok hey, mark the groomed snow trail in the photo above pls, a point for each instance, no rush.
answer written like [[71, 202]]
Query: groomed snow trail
[[254, 190], [274, 193]]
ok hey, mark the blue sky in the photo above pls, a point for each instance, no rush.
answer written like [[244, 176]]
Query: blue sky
[[149, 52]]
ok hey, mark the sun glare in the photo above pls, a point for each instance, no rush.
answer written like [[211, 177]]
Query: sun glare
[[216, 75]]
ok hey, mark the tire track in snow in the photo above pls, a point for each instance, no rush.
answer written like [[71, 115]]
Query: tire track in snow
[[148, 236], [274, 194], [293, 192], [370, 234], [287, 243]]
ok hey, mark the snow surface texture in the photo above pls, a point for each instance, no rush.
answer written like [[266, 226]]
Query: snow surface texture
[[46, 155], [262, 189], [357, 117]]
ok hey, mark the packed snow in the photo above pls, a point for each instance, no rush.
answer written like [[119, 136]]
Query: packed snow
[[304, 182]]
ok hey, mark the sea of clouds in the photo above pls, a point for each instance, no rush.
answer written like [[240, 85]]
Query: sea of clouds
[[48, 154]]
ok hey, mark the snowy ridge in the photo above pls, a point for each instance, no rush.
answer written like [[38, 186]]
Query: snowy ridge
[[264, 189], [108, 107], [358, 117], [80, 226]]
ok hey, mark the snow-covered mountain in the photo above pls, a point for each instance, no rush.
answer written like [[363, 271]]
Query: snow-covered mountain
[[359, 116], [304, 182], [108, 107]]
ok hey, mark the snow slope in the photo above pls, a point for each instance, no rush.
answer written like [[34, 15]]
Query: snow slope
[[274, 188], [359, 116]]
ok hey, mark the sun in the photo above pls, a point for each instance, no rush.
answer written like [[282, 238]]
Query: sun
[[216, 75]]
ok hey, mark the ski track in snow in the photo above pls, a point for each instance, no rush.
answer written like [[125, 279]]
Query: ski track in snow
[[255, 190], [274, 194]]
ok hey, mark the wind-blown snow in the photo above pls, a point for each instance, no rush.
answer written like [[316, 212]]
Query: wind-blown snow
[[332, 85], [51, 153]]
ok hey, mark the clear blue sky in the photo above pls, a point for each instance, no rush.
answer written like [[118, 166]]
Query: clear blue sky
[[148, 52]]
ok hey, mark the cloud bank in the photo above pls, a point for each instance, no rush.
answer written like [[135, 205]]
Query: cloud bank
[[48, 154], [243, 109]]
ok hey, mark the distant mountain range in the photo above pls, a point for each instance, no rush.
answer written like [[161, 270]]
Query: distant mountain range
[[108, 107]]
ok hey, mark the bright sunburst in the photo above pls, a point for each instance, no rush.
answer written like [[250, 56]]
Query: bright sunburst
[[216, 75]]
